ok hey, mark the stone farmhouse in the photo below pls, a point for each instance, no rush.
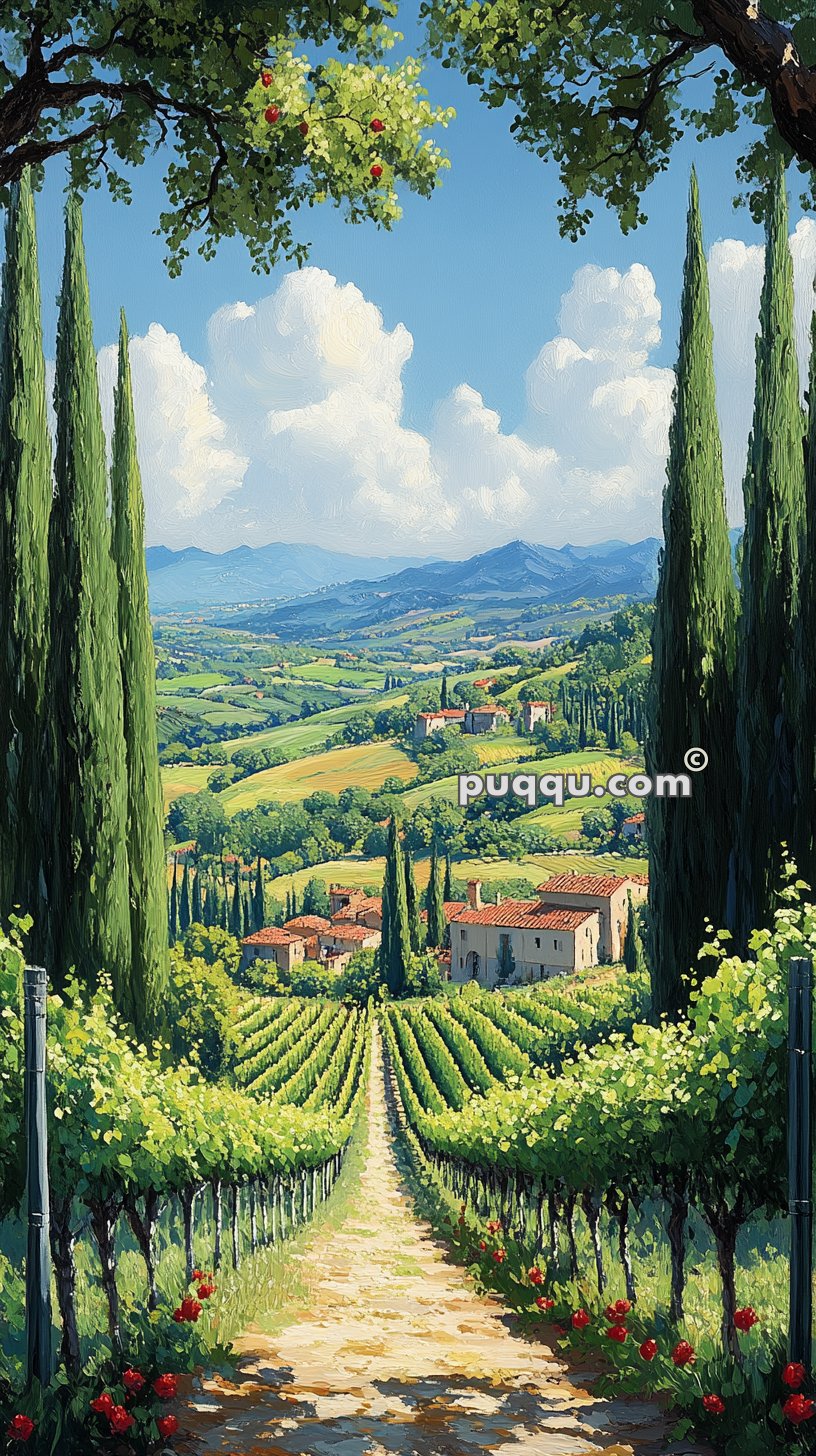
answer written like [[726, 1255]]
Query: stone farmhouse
[[577, 921], [355, 924], [481, 720], [532, 713]]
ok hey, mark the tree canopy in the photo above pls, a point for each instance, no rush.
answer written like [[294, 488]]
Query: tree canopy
[[262, 110]]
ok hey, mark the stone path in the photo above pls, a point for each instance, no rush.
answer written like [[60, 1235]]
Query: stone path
[[396, 1353]]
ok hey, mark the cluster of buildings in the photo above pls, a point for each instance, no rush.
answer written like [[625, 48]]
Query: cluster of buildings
[[481, 720], [576, 921]]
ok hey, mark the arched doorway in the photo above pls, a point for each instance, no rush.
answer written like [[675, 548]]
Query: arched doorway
[[472, 965]]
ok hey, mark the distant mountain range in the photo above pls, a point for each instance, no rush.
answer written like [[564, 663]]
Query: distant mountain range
[[194, 578], [514, 576]]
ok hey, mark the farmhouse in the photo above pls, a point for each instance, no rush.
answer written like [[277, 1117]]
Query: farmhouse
[[362, 910], [486, 719], [577, 921], [338, 944], [427, 723], [285, 948], [633, 827], [532, 713], [309, 927]]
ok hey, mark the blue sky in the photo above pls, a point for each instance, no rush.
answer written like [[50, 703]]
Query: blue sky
[[476, 274]]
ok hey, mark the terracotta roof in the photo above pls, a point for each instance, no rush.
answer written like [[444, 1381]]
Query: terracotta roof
[[307, 922], [359, 907], [347, 932], [272, 935], [344, 890], [524, 914], [540, 703], [639, 879], [452, 907], [603, 885], [635, 819], [488, 708], [444, 713]]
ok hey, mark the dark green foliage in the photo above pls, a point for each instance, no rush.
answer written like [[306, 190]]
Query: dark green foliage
[[506, 961], [236, 918], [315, 898], [185, 917], [145, 812], [412, 902], [25, 507], [197, 899], [434, 903], [90, 901], [259, 898], [691, 695], [395, 950], [768, 672], [174, 906], [446, 890], [633, 957]]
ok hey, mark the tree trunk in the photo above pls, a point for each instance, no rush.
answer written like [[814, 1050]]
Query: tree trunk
[[676, 1230], [569, 1210], [103, 1222], [264, 1213], [188, 1197], [593, 1218], [253, 1220], [235, 1214], [552, 1219], [624, 1249], [144, 1231], [62, 1249], [539, 1236], [725, 1228], [218, 1217]]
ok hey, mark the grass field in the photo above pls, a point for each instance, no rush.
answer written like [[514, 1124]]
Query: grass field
[[183, 778], [364, 766], [598, 762], [357, 872], [191, 680]]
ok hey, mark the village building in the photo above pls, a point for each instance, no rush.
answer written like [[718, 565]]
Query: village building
[[427, 723], [309, 927], [533, 713], [339, 943], [340, 896], [362, 910], [577, 921], [486, 719], [633, 827], [285, 948]]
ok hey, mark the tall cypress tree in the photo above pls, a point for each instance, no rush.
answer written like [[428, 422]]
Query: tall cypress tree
[[412, 902], [26, 840], [691, 691], [236, 910], [90, 896], [174, 925], [443, 695], [447, 889], [259, 897], [145, 817], [769, 689], [434, 902], [805, 842], [197, 899], [396, 943], [184, 899]]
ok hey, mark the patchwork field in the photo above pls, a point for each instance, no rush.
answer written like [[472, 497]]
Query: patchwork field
[[361, 766], [183, 778], [598, 762]]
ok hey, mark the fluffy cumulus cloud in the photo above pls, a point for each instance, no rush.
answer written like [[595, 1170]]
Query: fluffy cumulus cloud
[[296, 429]]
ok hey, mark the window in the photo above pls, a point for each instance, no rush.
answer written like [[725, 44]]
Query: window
[[464, 933], [538, 942]]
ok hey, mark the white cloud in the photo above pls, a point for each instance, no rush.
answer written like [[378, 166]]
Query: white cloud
[[298, 433]]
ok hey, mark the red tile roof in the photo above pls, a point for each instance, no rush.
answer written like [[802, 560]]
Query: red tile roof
[[344, 890], [603, 885], [640, 879], [524, 914], [307, 922], [444, 713], [272, 935], [347, 932], [488, 708], [540, 703], [635, 819], [363, 906]]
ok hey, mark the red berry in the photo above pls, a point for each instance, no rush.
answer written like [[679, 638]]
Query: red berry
[[120, 1420], [133, 1381], [714, 1404], [482, 1244], [618, 1333], [166, 1387], [794, 1375], [304, 128], [544, 1303], [272, 113], [103, 1405], [266, 78], [20, 1428], [377, 125], [376, 171], [535, 1275]]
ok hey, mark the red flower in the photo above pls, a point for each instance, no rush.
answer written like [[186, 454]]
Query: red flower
[[499, 1255], [794, 1375], [535, 1275], [205, 1290], [168, 1425], [103, 1405], [376, 171], [745, 1319], [20, 1428], [482, 1245], [683, 1354], [266, 78], [580, 1319], [617, 1333], [133, 1381], [648, 1350], [494, 1227], [617, 1311], [544, 1303], [165, 1386], [714, 1404], [197, 1274], [121, 1420], [187, 1312], [798, 1408]]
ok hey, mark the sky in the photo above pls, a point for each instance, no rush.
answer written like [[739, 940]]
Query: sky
[[467, 378]]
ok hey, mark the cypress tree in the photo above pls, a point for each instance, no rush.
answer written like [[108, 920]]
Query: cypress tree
[[26, 837], [805, 844], [434, 902], [769, 690], [236, 912], [174, 924], [145, 814], [443, 696], [196, 899], [412, 902], [447, 890], [184, 899], [397, 942], [259, 898], [632, 946], [691, 690], [223, 910], [90, 889], [247, 915]]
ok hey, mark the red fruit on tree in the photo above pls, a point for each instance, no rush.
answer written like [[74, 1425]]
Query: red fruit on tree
[[272, 113], [377, 125], [304, 128], [266, 78], [376, 171]]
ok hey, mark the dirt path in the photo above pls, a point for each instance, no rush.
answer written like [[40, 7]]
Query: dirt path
[[397, 1354]]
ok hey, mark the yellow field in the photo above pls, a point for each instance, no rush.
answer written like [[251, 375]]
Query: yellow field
[[183, 778], [357, 872], [362, 766]]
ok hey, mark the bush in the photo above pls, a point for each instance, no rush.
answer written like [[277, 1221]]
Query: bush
[[204, 1007]]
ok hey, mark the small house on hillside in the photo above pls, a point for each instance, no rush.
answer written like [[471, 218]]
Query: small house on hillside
[[486, 719], [633, 827], [427, 723], [285, 948], [533, 713], [338, 944]]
